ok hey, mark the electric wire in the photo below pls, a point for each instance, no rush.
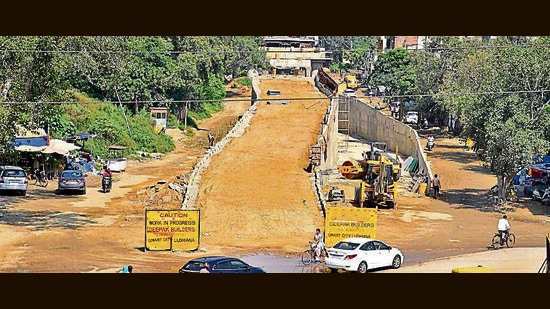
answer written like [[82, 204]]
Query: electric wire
[[279, 98], [265, 49]]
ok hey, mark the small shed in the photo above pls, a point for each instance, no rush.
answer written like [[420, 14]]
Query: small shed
[[117, 162], [160, 114]]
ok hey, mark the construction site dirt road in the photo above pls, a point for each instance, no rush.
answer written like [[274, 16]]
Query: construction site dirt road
[[255, 197]]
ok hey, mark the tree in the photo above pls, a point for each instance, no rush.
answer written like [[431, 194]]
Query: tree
[[31, 72], [432, 65], [350, 52], [394, 71], [503, 106]]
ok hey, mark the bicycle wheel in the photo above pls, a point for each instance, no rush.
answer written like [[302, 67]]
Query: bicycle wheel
[[33, 180], [496, 241], [44, 182], [324, 255], [307, 257], [511, 240]]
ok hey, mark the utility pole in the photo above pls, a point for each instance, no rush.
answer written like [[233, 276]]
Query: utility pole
[[185, 117]]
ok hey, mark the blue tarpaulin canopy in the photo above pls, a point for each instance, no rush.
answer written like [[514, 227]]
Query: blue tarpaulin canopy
[[31, 140]]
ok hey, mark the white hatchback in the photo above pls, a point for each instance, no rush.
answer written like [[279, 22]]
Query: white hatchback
[[361, 255]]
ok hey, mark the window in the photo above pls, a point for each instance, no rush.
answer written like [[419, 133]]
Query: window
[[193, 266], [14, 173], [380, 246], [344, 245], [223, 265], [367, 246], [237, 265], [71, 174]]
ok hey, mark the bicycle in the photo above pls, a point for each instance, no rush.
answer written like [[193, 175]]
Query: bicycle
[[511, 197], [498, 242], [38, 178], [309, 255]]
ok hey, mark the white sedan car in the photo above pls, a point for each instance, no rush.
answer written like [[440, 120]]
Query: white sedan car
[[350, 93], [361, 255]]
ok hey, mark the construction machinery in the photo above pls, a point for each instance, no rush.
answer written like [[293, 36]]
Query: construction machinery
[[380, 150], [377, 181], [336, 194], [351, 82]]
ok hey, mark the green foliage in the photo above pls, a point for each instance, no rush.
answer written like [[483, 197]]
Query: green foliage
[[393, 70], [242, 81], [206, 110], [107, 121], [213, 88], [151, 69], [432, 66], [504, 100], [356, 50], [172, 121]]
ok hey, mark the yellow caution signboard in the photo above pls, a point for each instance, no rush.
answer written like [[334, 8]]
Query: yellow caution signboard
[[176, 230], [344, 222]]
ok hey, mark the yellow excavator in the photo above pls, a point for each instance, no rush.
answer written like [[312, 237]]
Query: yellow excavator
[[377, 187]]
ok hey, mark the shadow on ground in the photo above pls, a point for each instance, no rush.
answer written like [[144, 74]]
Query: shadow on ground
[[459, 156], [478, 199], [41, 220]]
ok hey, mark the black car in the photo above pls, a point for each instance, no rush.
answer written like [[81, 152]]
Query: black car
[[219, 264]]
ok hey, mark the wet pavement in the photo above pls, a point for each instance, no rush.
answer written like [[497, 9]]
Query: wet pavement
[[282, 264], [508, 260]]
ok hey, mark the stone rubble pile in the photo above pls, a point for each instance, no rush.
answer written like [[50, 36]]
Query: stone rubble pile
[[238, 130]]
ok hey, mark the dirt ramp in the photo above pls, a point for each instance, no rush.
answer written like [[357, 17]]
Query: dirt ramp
[[256, 190]]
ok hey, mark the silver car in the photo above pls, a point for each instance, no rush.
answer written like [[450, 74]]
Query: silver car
[[14, 179]]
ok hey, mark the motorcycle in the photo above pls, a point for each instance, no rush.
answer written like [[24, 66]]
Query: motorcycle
[[543, 197], [106, 183], [430, 145]]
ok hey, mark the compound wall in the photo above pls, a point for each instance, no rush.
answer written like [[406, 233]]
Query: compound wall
[[370, 123]]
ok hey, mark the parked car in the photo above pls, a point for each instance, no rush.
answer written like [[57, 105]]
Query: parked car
[[411, 117], [72, 181], [219, 264], [361, 255], [13, 179], [349, 93]]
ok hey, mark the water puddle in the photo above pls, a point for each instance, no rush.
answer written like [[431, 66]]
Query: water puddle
[[280, 264]]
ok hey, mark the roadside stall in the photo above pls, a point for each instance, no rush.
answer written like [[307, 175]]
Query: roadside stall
[[117, 161]]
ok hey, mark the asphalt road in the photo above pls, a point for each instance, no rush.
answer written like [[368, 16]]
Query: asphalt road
[[505, 260]]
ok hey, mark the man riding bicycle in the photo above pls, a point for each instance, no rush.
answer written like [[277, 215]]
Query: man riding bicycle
[[503, 227], [318, 244]]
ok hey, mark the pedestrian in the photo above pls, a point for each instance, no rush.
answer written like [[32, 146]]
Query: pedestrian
[[204, 269], [436, 185], [126, 269], [210, 139]]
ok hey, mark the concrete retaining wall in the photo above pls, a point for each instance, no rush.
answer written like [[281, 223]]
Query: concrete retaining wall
[[372, 124]]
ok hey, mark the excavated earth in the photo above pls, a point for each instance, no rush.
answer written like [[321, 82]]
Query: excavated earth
[[254, 197]]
